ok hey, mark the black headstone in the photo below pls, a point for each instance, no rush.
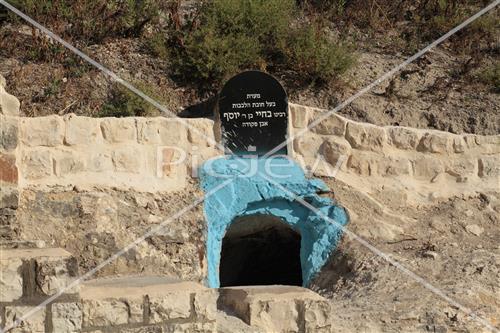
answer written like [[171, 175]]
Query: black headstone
[[253, 110]]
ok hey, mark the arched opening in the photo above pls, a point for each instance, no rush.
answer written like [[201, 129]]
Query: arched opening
[[260, 250]]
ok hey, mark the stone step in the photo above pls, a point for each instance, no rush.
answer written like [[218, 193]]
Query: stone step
[[35, 273], [175, 305], [278, 308]]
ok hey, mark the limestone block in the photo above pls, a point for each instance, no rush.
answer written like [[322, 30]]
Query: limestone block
[[435, 143], [365, 136], [489, 166], [190, 328], [9, 105], [332, 125], [35, 323], [162, 131], [115, 130], [277, 308], [36, 164], [317, 316], [489, 144], [128, 159], [97, 313], [308, 144], [42, 131], [9, 129], [11, 281], [205, 305], [148, 329], [81, 130], [55, 271], [362, 164], [333, 149], [427, 167], [198, 157], [403, 138], [99, 162], [9, 196], [200, 132], [67, 317], [393, 166], [68, 162], [175, 305], [299, 115], [459, 145], [461, 168], [8, 168]]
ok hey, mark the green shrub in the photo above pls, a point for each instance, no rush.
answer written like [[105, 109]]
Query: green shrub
[[227, 36], [310, 52], [491, 76], [124, 103], [90, 20]]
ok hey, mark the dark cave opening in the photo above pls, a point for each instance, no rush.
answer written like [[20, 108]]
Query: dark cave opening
[[260, 250]]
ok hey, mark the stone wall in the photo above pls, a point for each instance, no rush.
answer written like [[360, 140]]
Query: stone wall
[[423, 164], [143, 154]]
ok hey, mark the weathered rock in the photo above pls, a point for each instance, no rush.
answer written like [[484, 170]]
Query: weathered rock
[[362, 164], [403, 138], [331, 125], [308, 144], [474, 229], [393, 166], [434, 143], [200, 132], [489, 166], [68, 162], [333, 149], [82, 130], [100, 162], [9, 105], [191, 328], [427, 167], [119, 130], [36, 164], [299, 115], [365, 136], [9, 197], [8, 168], [459, 145], [168, 307], [162, 131], [278, 308], [67, 317], [205, 305], [127, 159], [11, 282], [9, 129], [42, 131], [35, 323], [461, 168], [98, 313]]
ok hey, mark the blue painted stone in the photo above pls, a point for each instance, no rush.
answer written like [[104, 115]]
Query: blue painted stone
[[250, 193]]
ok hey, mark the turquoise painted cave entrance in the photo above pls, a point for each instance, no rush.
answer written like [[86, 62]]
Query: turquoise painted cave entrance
[[260, 250]]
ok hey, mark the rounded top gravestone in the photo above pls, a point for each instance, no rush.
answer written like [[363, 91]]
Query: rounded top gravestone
[[253, 111]]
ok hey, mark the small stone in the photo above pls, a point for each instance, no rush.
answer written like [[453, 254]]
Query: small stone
[[474, 229], [430, 254], [469, 213]]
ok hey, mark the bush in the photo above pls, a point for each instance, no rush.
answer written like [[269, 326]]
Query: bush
[[309, 51], [225, 36], [124, 103], [90, 21], [491, 77]]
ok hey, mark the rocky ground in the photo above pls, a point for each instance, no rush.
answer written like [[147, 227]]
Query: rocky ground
[[450, 245]]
